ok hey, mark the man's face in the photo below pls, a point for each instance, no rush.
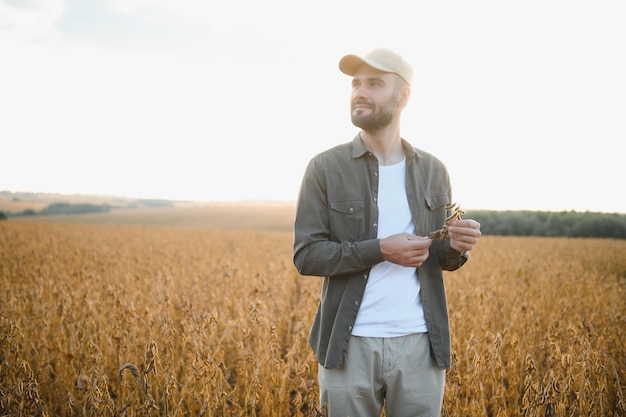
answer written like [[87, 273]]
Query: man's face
[[374, 99]]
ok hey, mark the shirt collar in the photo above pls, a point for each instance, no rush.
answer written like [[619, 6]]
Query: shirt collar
[[359, 149]]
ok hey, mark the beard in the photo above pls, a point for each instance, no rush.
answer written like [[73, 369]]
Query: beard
[[380, 117]]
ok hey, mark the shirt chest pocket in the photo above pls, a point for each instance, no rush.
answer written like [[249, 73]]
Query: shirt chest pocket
[[437, 210], [435, 202], [347, 220]]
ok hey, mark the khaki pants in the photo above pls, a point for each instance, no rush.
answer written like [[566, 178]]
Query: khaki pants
[[398, 372]]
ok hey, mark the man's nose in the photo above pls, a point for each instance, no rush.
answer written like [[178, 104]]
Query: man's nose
[[358, 92]]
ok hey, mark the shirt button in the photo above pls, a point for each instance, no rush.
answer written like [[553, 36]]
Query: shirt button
[[375, 225], [356, 303], [375, 199], [364, 276], [375, 174], [351, 209], [350, 328]]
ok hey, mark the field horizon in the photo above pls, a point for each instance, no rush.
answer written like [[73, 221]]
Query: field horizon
[[241, 215]]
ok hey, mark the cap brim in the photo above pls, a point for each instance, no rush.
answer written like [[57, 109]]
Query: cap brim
[[349, 64]]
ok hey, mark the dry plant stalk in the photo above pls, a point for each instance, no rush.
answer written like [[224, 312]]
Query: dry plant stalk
[[455, 215]]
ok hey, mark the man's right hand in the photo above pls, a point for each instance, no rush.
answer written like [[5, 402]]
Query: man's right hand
[[405, 249]]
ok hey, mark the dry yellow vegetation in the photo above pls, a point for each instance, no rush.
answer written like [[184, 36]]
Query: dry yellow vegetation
[[119, 320]]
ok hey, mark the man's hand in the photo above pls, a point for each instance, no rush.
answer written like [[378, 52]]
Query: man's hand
[[405, 249], [463, 234]]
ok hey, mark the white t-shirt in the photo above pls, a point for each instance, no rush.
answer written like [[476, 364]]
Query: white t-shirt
[[391, 305]]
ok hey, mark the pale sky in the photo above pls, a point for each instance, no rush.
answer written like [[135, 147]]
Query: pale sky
[[524, 101]]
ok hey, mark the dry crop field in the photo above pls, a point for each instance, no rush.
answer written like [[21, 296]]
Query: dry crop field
[[133, 320]]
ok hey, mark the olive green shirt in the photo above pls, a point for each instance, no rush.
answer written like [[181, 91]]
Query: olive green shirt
[[335, 237]]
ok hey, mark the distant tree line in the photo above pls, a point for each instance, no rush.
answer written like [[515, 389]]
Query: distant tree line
[[83, 208], [64, 208], [548, 223]]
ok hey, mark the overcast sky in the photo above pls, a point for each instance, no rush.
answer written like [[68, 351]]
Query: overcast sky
[[525, 102]]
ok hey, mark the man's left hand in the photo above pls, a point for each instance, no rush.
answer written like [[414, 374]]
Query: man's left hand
[[463, 234]]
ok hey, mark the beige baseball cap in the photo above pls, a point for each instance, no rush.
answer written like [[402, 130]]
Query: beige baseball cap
[[382, 59]]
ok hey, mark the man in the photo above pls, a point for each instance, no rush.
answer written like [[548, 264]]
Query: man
[[365, 209]]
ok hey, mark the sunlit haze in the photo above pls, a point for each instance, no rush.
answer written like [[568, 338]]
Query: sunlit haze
[[525, 102]]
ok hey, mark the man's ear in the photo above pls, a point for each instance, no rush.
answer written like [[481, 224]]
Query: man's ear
[[403, 97]]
